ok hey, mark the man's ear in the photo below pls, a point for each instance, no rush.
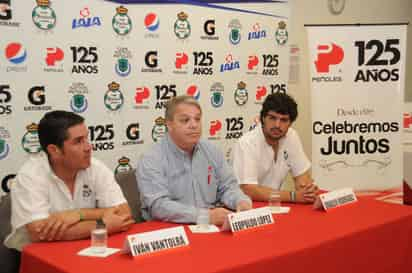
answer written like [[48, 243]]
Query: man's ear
[[53, 150], [168, 125]]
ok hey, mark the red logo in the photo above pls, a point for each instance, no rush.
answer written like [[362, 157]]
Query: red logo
[[181, 59], [327, 56], [261, 91], [252, 62], [209, 174], [215, 126], [407, 120], [141, 94], [54, 54]]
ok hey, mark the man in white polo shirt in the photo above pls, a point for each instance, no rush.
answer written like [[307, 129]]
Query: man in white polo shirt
[[264, 156], [60, 194]]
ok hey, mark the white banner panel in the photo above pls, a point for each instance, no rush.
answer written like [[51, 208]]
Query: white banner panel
[[357, 81]]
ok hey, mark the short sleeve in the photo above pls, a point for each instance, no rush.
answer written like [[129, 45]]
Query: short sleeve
[[297, 159], [108, 191], [244, 163], [30, 200]]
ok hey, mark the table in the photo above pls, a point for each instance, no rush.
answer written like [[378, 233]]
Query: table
[[367, 236]]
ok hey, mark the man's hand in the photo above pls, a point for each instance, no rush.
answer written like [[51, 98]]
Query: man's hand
[[307, 193], [115, 222], [243, 205], [54, 227], [217, 216]]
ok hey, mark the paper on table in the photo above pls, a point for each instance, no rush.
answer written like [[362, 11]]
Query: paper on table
[[203, 228], [279, 210], [91, 252]]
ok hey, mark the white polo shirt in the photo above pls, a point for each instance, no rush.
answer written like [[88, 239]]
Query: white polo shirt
[[38, 192], [254, 161]]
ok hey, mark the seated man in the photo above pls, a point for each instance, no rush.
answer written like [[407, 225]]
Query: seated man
[[185, 179], [264, 156], [60, 194]]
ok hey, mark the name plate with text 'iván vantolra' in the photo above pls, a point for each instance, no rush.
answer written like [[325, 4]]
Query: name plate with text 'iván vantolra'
[[154, 241]]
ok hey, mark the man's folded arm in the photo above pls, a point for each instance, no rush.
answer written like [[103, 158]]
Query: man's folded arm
[[77, 224]]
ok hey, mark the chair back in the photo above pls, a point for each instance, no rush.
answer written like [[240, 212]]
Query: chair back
[[9, 258], [128, 184]]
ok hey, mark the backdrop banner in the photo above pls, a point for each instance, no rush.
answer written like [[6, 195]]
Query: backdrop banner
[[118, 63], [357, 84]]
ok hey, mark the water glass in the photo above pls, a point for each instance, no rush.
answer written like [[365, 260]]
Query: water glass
[[274, 201], [99, 240]]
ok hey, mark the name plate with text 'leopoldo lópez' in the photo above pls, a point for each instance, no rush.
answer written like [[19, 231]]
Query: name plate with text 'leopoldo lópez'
[[250, 219], [154, 241]]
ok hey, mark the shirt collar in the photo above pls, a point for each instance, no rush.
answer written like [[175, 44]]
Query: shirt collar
[[47, 167]]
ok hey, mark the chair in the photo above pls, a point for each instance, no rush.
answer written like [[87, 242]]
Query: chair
[[128, 184], [9, 258]]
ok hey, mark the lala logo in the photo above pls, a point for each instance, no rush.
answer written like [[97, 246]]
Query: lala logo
[[86, 20], [230, 64], [257, 33]]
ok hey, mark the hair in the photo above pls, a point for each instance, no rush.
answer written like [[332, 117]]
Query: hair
[[175, 101], [280, 103], [54, 125]]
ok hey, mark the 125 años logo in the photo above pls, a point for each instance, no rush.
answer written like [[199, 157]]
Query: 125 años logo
[[102, 137], [382, 55], [163, 94], [84, 59], [234, 127]]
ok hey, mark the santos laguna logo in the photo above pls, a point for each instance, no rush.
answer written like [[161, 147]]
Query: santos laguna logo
[[328, 55]]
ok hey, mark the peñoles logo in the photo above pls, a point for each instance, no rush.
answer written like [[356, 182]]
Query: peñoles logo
[[327, 56]]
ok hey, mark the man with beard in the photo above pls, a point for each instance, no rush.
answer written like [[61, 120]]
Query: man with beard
[[185, 179], [62, 193], [264, 156]]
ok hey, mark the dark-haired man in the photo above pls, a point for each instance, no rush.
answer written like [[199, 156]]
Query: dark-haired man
[[61, 193], [185, 179], [264, 156]]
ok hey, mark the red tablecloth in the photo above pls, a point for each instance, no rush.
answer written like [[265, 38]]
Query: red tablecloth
[[368, 236]]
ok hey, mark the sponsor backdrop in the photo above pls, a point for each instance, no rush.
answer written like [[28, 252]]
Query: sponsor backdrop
[[117, 64], [357, 80]]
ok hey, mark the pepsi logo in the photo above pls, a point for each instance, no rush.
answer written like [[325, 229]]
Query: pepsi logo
[[15, 53], [151, 22], [193, 91]]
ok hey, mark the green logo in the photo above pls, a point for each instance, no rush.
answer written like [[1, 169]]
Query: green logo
[[43, 15], [121, 22], [182, 26]]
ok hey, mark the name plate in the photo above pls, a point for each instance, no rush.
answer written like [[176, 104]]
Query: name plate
[[337, 198], [250, 219], [154, 241]]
